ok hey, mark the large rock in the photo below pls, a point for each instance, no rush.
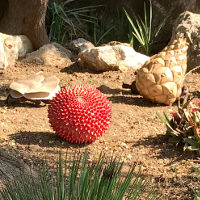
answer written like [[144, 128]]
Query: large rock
[[170, 10], [106, 58], [188, 25], [12, 48], [51, 55]]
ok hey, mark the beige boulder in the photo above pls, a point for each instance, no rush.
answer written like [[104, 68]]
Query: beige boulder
[[107, 58], [51, 55], [12, 48]]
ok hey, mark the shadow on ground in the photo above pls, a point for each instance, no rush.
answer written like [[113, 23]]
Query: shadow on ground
[[3, 103], [133, 100], [77, 68], [167, 149], [4, 90], [107, 90], [125, 96], [43, 139]]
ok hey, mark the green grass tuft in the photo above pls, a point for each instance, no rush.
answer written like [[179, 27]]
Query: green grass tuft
[[78, 179]]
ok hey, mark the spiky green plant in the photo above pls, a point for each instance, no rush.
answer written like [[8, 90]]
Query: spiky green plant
[[184, 124], [142, 29], [99, 33], [66, 23], [78, 179]]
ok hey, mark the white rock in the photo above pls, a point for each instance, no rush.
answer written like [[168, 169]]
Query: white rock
[[106, 58], [12, 48], [50, 54]]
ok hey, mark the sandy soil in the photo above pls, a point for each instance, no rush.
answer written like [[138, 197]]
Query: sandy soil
[[135, 134]]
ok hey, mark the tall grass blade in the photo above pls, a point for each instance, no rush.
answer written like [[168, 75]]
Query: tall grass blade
[[78, 179]]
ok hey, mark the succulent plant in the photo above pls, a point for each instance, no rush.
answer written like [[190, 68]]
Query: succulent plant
[[80, 114], [184, 124], [161, 78]]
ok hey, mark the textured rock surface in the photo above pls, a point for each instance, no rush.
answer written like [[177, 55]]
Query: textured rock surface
[[188, 25], [80, 45], [50, 54], [118, 57], [12, 48], [170, 10], [161, 78], [12, 168]]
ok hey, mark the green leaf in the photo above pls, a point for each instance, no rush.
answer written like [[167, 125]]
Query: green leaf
[[77, 178], [142, 29], [162, 118]]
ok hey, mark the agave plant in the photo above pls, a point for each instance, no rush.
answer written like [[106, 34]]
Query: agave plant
[[184, 124], [78, 179]]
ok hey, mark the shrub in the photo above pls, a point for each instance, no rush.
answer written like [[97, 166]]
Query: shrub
[[66, 23], [81, 180], [141, 29], [184, 124]]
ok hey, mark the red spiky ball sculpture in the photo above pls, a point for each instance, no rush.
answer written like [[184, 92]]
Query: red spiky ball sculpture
[[80, 114]]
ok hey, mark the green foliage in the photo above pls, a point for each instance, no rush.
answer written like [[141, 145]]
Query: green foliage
[[142, 29], [184, 125], [78, 179], [65, 23], [108, 27], [197, 197], [99, 33], [197, 174]]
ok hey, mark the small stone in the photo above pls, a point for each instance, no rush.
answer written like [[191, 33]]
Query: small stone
[[129, 156], [124, 145]]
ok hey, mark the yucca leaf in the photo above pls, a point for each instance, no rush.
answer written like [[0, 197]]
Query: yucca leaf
[[104, 34], [79, 180], [136, 33], [150, 22], [165, 119], [161, 117]]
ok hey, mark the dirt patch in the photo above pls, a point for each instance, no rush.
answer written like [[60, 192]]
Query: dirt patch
[[135, 134]]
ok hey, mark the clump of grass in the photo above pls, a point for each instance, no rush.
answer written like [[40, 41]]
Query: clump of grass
[[79, 179], [142, 29], [66, 23], [108, 27], [100, 32]]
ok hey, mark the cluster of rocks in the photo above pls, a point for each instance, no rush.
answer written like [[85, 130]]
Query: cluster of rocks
[[112, 56]]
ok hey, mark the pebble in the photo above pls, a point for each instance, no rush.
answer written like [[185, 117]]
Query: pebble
[[129, 156], [124, 145]]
